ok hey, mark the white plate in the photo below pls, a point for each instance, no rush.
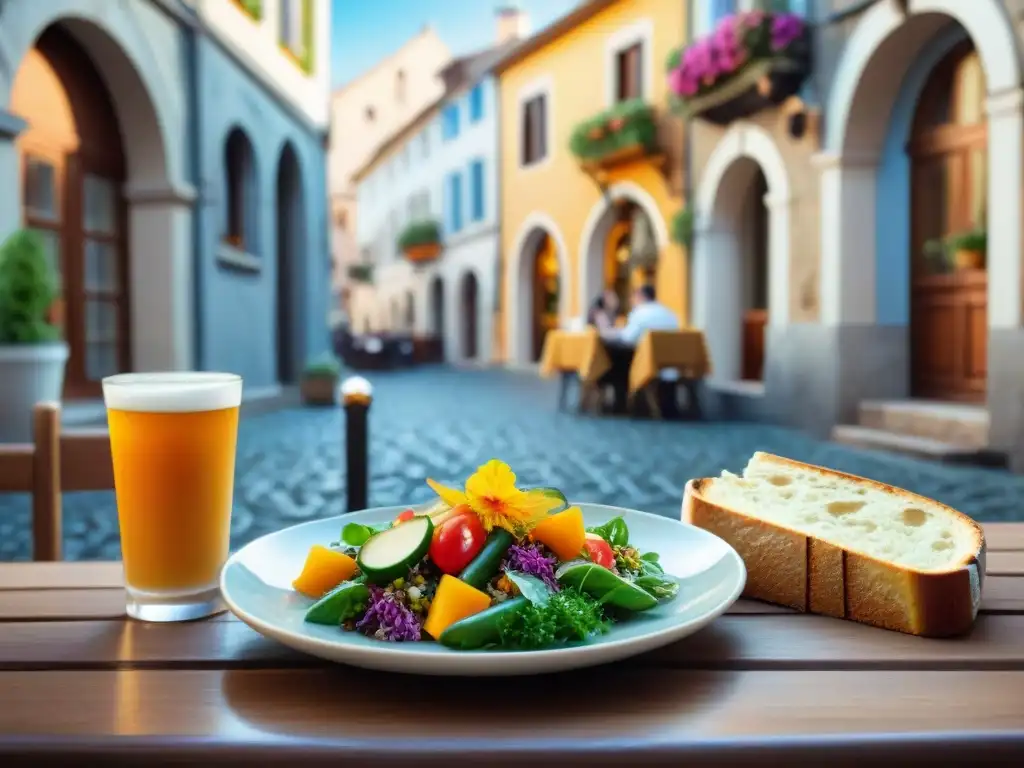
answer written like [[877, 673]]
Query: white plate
[[256, 584]]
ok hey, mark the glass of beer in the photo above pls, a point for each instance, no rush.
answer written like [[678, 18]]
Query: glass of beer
[[172, 440]]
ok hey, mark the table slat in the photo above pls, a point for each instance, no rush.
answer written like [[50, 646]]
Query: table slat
[[1003, 536], [732, 642], [1005, 563], [343, 709], [80, 575]]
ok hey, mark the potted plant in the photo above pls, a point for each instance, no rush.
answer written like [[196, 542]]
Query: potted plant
[[968, 248], [936, 256], [625, 132], [421, 241], [32, 354], [319, 385]]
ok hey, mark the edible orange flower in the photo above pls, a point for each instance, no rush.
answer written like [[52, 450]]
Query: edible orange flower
[[491, 492]]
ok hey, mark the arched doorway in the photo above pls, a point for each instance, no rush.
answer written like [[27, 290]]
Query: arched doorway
[[741, 252], [470, 323], [948, 154], [289, 259], [864, 190], [536, 289], [73, 173], [546, 286], [620, 244], [437, 314], [410, 312]]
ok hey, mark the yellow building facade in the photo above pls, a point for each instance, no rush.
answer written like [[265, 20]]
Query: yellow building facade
[[592, 169]]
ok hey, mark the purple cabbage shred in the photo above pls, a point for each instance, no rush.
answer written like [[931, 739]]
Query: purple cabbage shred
[[533, 562], [387, 619]]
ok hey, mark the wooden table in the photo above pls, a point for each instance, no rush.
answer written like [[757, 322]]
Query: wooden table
[[575, 355], [81, 684]]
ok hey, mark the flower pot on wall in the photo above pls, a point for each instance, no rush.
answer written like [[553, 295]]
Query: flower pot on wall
[[965, 258], [31, 373], [319, 390], [425, 252]]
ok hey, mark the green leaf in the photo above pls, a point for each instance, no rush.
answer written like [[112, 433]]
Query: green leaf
[[356, 534], [660, 586], [649, 563], [605, 586], [532, 588], [615, 532]]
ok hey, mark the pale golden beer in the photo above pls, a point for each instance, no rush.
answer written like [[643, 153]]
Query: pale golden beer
[[172, 439]]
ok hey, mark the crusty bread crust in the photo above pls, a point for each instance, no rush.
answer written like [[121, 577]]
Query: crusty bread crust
[[787, 567]]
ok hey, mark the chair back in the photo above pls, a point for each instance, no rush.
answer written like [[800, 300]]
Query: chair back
[[53, 463]]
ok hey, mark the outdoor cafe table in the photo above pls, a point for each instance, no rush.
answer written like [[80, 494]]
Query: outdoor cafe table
[[82, 685]]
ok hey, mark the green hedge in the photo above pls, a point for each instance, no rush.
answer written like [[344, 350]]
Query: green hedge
[[425, 232], [636, 126]]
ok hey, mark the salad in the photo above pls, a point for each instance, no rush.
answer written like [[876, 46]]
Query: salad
[[491, 566]]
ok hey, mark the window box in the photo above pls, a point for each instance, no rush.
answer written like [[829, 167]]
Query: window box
[[751, 62], [421, 241], [622, 134]]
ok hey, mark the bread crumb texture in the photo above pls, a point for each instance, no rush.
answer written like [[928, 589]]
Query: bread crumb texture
[[848, 513]]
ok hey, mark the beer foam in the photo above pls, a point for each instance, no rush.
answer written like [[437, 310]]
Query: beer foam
[[172, 392]]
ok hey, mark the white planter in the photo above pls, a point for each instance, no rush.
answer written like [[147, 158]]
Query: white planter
[[29, 374]]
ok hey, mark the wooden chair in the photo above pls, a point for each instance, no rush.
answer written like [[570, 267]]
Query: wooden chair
[[52, 464]]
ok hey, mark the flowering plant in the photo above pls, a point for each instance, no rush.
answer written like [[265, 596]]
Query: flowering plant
[[737, 41], [629, 124]]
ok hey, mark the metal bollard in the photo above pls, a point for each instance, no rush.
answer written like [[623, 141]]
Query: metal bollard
[[356, 397]]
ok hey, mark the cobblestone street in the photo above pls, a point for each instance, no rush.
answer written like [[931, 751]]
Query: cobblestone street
[[443, 423]]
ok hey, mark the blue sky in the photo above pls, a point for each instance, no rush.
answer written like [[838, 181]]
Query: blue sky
[[365, 31]]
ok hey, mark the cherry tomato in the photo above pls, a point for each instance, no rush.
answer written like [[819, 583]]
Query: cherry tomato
[[457, 541], [599, 550], [407, 515]]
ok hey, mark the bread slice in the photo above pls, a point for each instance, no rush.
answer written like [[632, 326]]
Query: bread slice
[[825, 542]]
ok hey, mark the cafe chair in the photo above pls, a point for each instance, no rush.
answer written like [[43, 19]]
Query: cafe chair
[[52, 464]]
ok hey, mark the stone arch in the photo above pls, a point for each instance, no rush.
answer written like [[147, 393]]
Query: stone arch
[[519, 282], [717, 259], [149, 105], [868, 80], [597, 227]]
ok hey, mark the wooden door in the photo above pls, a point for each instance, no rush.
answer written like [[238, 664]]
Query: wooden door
[[949, 157], [73, 171]]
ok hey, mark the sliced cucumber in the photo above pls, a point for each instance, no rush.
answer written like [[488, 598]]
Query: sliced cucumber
[[387, 555]]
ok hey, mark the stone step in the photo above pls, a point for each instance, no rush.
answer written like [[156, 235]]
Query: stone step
[[960, 424], [917, 447]]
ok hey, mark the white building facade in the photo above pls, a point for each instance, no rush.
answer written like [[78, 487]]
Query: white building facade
[[365, 113], [444, 169]]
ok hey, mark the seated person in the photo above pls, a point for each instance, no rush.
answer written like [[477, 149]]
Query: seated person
[[603, 311], [648, 314]]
